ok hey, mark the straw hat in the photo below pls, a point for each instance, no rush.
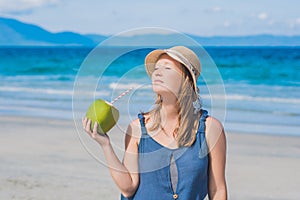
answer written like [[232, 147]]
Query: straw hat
[[181, 54]]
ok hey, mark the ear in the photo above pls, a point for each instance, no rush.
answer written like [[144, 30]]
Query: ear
[[160, 99]]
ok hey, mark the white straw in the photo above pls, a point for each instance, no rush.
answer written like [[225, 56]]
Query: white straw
[[121, 95]]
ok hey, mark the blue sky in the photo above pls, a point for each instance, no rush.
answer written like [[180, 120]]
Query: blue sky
[[199, 17]]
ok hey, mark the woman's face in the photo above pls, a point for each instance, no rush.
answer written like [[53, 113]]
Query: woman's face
[[167, 76]]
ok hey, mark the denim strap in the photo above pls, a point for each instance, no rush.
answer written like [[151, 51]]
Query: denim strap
[[142, 122], [201, 127], [201, 131]]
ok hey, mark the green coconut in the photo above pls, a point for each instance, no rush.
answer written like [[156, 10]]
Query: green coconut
[[104, 113]]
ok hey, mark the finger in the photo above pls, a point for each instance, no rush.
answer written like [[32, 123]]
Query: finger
[[95, 129], [88, 126]]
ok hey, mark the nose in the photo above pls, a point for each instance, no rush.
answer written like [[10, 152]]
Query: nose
[[158, 72]]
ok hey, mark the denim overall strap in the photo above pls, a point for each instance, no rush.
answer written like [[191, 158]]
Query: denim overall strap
[[142, 122], [201, 134], [144, 132], [201, 127]]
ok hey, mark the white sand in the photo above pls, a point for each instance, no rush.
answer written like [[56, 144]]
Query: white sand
[[44, 159]]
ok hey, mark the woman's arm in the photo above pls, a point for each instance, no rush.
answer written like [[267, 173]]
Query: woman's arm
[[216, 140], [125, 174]]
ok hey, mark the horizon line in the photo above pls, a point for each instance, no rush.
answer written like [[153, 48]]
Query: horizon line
[[190, 34]]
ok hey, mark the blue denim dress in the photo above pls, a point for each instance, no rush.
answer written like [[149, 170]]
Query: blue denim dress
[[154, 168]]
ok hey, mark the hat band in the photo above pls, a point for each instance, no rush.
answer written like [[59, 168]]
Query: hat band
[[182, 58]]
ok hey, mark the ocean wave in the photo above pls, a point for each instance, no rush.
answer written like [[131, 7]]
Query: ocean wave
[[251, 98], [122, 86], [136, 86], [62, 92], [235, 97], [36, 112], [32, 78], [36, 90]]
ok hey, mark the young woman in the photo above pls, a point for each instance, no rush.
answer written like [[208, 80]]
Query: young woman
[[174, 151]]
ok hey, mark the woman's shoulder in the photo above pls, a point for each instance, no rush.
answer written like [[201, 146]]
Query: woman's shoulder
[[213, 122], [133, 135], [214, 131], [134, 128]]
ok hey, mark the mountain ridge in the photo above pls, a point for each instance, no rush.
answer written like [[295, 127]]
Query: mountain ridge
[[17, 33]]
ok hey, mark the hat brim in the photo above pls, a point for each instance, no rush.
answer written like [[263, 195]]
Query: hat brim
[[153, 57]]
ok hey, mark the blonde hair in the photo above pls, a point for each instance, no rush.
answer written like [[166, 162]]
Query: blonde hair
[[185, 133]]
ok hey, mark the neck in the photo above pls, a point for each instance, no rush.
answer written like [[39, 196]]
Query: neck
[[169, 116], [169, 108]]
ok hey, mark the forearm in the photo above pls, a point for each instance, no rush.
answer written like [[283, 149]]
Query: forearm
[[122, 174], [119, 172], [220, 194]]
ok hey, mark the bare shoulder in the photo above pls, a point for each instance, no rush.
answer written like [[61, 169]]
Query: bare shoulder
[[213, 123], [214, 132], [134, 128], [133, 133]]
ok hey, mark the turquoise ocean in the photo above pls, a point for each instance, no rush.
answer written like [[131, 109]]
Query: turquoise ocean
[[262, 84]]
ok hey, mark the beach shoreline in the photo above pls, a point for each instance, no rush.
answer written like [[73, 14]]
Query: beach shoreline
[[44, 158]]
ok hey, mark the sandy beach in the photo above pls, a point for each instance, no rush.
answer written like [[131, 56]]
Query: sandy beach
[[45, 159]]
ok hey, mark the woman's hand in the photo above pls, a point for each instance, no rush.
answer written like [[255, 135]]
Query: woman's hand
[[102, 139], [123, 173]]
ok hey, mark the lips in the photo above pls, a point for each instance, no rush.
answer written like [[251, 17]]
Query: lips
[[158, 81]]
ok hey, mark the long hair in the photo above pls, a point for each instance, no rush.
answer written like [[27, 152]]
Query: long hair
[[185, 133]]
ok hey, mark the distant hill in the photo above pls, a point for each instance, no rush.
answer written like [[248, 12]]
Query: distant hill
[[13, 32], [16, 33]]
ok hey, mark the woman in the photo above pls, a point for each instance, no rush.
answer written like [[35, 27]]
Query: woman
[[174, 151]]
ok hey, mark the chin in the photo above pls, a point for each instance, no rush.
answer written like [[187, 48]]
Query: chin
[[158, 89]]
